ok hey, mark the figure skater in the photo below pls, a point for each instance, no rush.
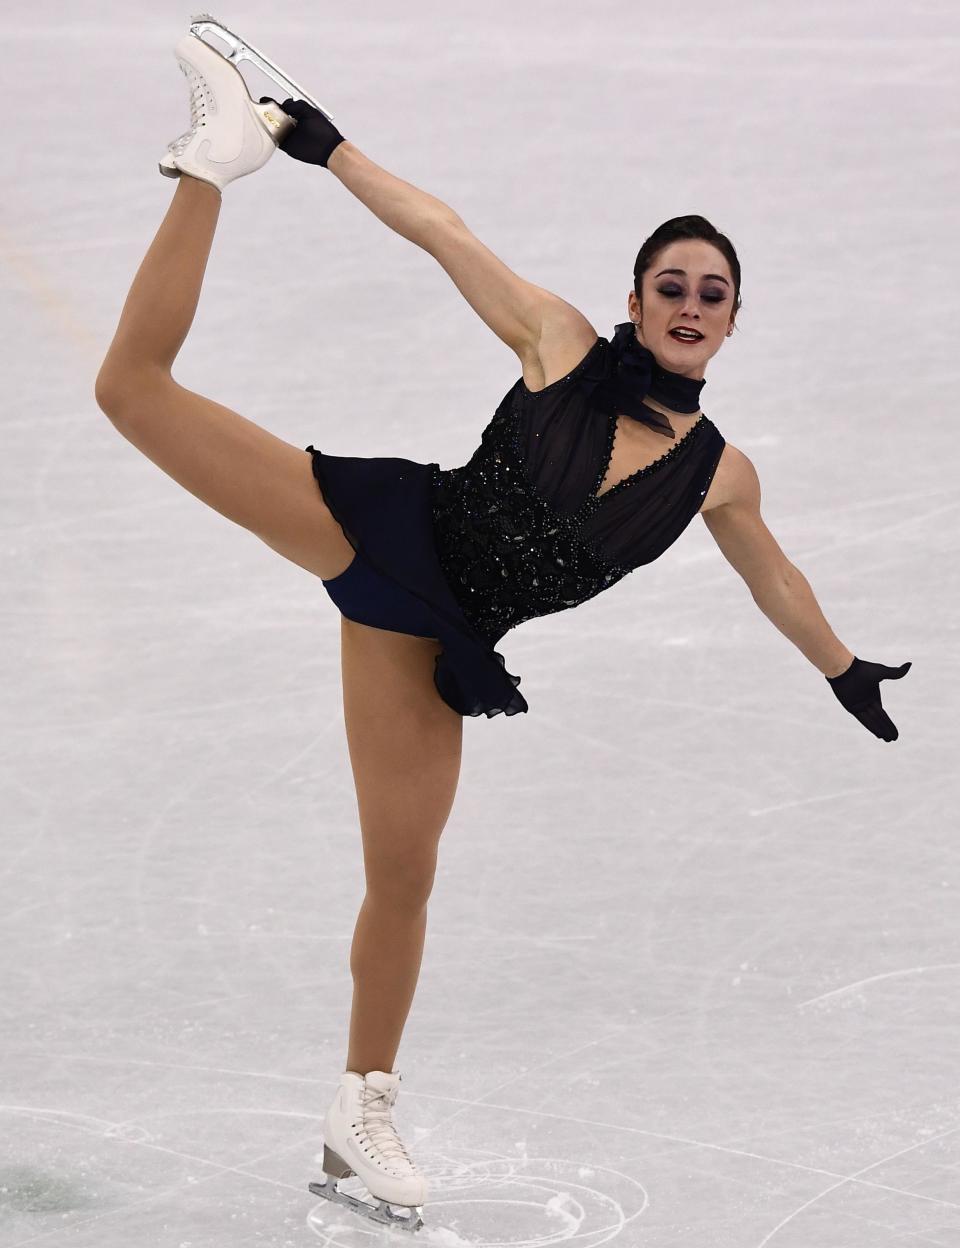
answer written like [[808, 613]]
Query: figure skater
[[569, 490]]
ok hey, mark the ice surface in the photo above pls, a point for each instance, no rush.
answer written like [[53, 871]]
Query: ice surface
[[692, 970]]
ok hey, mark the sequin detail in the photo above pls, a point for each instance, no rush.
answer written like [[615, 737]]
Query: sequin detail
[[657, 464], [506, 553], [510, 552]]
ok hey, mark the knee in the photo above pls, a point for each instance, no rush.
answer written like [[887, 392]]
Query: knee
[[106, 393], [403, 882], [119, 389], [115, 385]]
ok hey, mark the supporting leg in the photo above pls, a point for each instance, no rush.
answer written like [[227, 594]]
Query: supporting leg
[[405, 747], [385, 961]]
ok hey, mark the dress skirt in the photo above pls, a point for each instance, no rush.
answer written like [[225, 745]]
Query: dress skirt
[[385, 507]]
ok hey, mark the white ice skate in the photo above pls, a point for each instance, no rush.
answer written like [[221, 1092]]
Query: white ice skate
[[238, 50], [230, 134], [360, 1139]]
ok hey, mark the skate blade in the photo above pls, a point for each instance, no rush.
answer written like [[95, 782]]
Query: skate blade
[[381, 1212], [241, 51]]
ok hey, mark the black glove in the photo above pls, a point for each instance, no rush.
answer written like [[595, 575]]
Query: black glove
[[858, 689], [313, 138]]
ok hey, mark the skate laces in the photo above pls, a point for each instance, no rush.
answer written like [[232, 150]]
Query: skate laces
[[379, 1128], [199, 95]]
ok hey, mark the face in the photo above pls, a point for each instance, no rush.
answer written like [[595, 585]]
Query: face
[[701, 298]]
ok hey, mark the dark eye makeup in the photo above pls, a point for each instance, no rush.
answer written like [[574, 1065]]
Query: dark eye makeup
[[672, 291]]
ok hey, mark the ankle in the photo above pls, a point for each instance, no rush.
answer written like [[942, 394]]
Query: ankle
[[191, 186], [362, 1069]]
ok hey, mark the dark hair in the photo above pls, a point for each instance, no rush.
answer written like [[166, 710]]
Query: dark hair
[[686, 227]]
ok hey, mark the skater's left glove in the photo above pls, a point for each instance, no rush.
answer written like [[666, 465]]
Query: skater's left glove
[[858, 689], [314, 137]]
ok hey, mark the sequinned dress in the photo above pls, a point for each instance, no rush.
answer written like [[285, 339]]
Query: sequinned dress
[[518, 531]]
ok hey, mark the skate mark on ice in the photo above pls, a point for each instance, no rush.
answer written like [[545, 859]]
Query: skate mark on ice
[[876, 979], [541, 1199], [856, 1177]]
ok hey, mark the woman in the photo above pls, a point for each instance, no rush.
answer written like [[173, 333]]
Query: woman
[[570, 489]]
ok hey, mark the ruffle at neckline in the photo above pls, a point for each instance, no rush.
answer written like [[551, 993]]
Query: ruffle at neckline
[[620, 378]]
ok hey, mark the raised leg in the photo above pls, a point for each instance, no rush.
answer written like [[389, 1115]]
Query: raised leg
[[163, 298], [240, 469]]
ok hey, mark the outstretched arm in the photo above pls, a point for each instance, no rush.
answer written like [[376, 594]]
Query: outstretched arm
[[793, 609], [412, 213], [779, 589], [513, 308], [517, 311], [782, 593]]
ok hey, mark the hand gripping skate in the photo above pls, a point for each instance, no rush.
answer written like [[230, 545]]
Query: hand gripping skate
[[230, 134], [360, 1139]]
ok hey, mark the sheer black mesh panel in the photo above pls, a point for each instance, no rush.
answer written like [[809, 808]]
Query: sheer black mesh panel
[[520, 532]]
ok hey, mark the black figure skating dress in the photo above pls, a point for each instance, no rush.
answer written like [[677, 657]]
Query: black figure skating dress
[[465, 554]]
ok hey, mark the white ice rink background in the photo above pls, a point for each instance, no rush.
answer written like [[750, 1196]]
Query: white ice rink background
[[692, 973]]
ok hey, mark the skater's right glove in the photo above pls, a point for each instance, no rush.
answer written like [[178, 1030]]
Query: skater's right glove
[[313, 138]]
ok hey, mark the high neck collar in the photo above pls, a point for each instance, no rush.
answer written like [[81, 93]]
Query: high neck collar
[[638, 368], [619, 379]]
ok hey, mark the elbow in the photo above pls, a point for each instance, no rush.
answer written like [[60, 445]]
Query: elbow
[[775, 582], [108, 391], [782, 575], [115, 391], [103, 394], [437, 230]]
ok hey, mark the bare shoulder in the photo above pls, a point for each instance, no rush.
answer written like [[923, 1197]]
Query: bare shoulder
[[565, 338], [734, 482]]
